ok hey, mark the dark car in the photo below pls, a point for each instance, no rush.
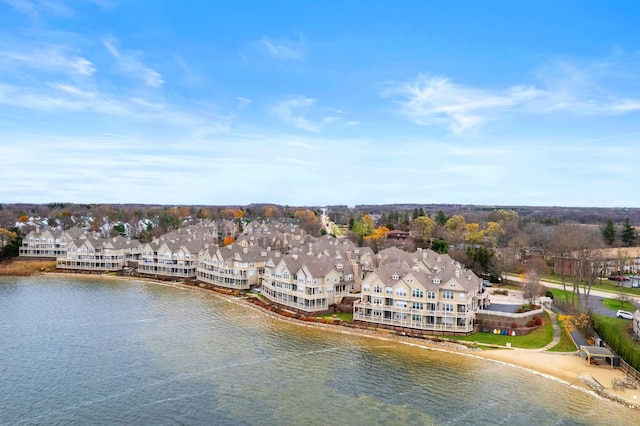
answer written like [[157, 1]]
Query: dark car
[[618, 278]]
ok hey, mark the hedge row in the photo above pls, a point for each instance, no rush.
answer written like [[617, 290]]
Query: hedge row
[[618, 339]]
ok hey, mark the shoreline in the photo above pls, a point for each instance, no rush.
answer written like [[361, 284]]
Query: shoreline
[[562, 367]]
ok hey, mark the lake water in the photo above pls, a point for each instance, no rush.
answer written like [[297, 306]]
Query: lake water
[[79, 351]]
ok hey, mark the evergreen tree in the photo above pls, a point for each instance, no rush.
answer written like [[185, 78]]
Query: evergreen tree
[[629, 234], [421, 212], [609, 233], [440, 246], [415, 214], [441, 218]]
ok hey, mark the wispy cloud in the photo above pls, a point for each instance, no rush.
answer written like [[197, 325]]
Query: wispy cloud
[[437, 100], [33, 9], [282, 49], [288, 111], [66, 98], [50, 59], [242, 102], [129, 63]]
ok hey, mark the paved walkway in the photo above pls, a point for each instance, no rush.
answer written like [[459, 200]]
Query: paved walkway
[[556, 331]]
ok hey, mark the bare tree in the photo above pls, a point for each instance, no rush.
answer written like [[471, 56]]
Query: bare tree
[[562, 243], [623, 298], [578, 258], [532, 288]]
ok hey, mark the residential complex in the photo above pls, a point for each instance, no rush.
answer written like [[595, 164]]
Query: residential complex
[[422, 290]]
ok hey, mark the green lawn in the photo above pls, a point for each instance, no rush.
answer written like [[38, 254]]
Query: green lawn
[[344, 316], [614, 305], [565, 344], [536, 339]]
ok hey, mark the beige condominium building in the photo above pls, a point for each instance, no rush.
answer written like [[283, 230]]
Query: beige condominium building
[[442, 298]]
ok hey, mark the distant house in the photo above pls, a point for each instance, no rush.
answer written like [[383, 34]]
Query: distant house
[[398, 235], [604, 262]]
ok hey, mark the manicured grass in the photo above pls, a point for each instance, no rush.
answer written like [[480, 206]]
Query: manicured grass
[[565, 344], [344, 316], [560, 294], [536, 339], [615, 305]]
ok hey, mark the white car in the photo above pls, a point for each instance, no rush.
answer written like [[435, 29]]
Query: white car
[[624, 314]]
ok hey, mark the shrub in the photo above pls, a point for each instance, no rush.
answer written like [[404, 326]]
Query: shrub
[[537, 320], [549, 294], [531, 323], [514, 325]]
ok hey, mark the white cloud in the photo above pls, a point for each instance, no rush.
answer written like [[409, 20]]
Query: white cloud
[[33, 9], [59, 98], [129, 63], [437, 100], [285, 112], [242, 102], [288, 112], [51, 59], [282, 49], [591, 89]]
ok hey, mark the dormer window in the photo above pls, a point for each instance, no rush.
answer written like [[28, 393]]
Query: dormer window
[[436, 280], [395, 277]]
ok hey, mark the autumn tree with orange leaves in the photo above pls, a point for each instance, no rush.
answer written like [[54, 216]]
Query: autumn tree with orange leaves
[[308, 221], [227, 240]]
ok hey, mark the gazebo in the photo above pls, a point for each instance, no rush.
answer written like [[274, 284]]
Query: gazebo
[[594, 354]]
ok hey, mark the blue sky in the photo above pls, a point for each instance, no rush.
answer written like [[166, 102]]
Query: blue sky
[[320, 102]]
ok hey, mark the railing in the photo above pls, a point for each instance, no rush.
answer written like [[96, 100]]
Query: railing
[[407, 310], [413, 324], [509, 314], [629, 371]]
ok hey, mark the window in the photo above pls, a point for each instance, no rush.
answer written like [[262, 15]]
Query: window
[[417, 293], [417, 305], [461, 296], [377, 300], [401, 304], [401, 292], [389, 290], [447, 294], [366, 288], [416, 318], [447, 307], [377, 289], [431, 295]]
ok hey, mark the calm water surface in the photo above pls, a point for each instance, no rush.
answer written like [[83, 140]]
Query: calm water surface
[[78, 351]]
